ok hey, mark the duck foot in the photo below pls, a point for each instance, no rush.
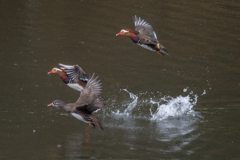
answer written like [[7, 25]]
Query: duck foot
[[92, 125]]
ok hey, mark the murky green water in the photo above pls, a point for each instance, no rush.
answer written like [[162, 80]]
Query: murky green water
[[182, 106]]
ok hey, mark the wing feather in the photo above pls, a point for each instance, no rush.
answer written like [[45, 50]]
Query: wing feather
[[74, 72], [92, 89], [90, 98], [142, 26], [146, 33]]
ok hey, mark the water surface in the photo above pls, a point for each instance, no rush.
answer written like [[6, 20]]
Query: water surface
[[182, 106]]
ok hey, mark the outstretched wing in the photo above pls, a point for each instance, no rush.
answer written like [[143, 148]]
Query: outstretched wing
[[141, 25], [145, 30], [74, 72], [90, 98], [91, 90]]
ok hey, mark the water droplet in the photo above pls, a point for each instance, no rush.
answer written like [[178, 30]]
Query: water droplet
[[185, 89], [204, 92]]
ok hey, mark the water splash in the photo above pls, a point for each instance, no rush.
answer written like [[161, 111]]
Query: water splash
[[204, 92], [163, 118], [130, 106], [155, 106], [173, 107], [133, 104], [185, 89]]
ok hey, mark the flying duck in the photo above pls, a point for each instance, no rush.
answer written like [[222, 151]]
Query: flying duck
[[72, 75], [146, 37], [88, 102]]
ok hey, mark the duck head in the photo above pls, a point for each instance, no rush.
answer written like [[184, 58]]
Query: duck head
[[55, 70], [57, 103], [125, 32]]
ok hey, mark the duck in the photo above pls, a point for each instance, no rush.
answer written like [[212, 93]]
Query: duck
[[72, 75], [88, 102], [145, 37]]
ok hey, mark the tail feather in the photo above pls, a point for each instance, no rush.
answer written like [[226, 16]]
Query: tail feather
[[163, 50]]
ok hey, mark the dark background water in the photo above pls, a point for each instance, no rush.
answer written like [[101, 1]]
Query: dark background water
[[204, 65]]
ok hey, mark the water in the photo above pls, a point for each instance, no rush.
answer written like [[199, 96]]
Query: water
[[182, 106]]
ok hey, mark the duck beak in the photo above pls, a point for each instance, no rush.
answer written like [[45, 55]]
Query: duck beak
[[50, 72], [118, 34], [51, 104]]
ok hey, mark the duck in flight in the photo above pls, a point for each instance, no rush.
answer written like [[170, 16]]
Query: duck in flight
[[146, 37], [89, 101], [72, 75]]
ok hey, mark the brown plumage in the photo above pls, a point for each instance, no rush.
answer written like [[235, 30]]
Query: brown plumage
[[72, 75], [89, 101], [146, 38]]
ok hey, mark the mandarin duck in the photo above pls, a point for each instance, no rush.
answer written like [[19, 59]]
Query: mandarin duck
[[88, 102], [146, 37], [72, 75]]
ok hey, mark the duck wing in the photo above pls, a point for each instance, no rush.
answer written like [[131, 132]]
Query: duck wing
[[98, 103], [146, 33], [90, 93], [90, 98], [74, 72]]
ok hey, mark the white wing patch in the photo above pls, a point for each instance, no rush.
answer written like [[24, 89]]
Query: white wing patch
[[79, 117], [146, 47], [75, 86]]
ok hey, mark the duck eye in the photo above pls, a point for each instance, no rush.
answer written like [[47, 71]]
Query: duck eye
[[122, 31], [54, 69]]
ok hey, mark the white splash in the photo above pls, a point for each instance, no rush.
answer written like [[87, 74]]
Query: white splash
[[175, 107], [204, 92], [130, 106], [161, 107], [185, 89], [133, 104]]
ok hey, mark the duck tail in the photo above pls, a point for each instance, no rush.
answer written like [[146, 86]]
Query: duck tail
[[163, 50]]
